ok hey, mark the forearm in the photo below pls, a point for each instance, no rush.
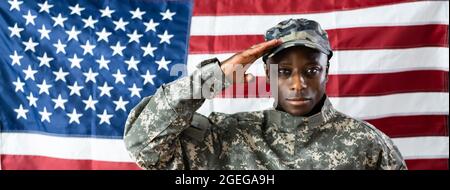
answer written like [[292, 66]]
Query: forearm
[[153, 127]]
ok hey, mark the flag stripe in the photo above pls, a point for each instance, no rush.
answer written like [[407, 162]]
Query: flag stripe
[[341, 39], [356, 85], [16, 162], [65, 147], [265, 7], [411, 148], [414, 125], [415, 13], [387, 83], [365, 107], [362, 61], [422, 147], [427, 164]]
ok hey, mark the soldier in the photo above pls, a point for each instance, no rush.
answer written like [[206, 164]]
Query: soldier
[[302, 131]]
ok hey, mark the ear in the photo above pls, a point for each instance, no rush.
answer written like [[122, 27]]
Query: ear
[[326, 73], [266, 69]]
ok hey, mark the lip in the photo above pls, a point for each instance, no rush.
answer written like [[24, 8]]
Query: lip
[[298, 101]]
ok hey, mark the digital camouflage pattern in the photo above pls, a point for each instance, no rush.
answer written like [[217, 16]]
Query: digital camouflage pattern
[[164, 132], [294, 32]]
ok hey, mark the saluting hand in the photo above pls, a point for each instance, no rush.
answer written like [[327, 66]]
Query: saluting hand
[[234, 67]]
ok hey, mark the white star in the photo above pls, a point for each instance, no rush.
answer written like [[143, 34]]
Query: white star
[[15, 58], [162, 64], [103, 35], [105, 90], [76, 10], [45, 7], [89, 22], [105, 117], [148, 78], [74, 117], [59, 102], [59, 20], [148, 50], [60, 47], [21, 112], [119, 77], [102, 63], [29, 73], [137, 14], [75, 61], [88, 48], [132, 64], [14, 4], [60, 75], [30, 45], [75, 89], [44, 32], [43, 88], [165, 37], [117, 49], [90, 103], [73, 34], [29, 18], [150, 25], [19, 85], [90, 76], [32, 100], [167, 14], [120, 104], [45, 116], [106, 12], [135, 91], [15, 31], [134, 37], [120, 24], [44, 60]]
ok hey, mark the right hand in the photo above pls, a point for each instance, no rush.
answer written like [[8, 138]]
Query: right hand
[[235, 67]]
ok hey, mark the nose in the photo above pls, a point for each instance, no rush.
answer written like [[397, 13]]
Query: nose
[[298, 82]]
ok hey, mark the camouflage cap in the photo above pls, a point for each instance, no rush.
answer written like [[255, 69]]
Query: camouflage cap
[[298, 32]]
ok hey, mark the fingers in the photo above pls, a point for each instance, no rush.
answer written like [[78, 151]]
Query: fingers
[[259, 49]]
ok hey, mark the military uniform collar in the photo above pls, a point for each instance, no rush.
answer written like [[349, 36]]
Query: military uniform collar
[[276, 117]]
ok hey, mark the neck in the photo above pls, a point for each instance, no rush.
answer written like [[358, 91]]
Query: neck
[[316, 109]]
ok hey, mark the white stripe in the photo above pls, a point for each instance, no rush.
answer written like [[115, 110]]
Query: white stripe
[[363, 107], [362, 61], [64, 147], [113, 149], [422, 147], [371, 107], [415, 13]]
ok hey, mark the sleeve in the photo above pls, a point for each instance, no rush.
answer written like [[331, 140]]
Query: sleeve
[[391, 158], [153, 128]]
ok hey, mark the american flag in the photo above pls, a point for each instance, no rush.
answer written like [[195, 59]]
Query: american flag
[[72, 70]]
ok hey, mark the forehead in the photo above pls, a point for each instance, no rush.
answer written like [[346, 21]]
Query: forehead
[[298, 52]]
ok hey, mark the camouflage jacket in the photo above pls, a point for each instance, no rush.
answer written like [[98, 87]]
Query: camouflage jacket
[[164, 132]]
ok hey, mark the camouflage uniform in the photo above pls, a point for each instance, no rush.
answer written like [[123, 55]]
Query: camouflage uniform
[[164, 132]]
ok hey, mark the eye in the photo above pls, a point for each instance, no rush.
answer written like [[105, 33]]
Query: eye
[[284, 72], [313, 71]]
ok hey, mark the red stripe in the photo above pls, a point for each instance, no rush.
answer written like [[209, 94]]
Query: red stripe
[[16, 162], [356, 85], [387, 83], [268, 7], [410, 126], [25, 162], [381, 37], [427, 164]]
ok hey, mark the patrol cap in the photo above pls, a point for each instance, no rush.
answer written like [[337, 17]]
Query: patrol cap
[[298, 32]]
